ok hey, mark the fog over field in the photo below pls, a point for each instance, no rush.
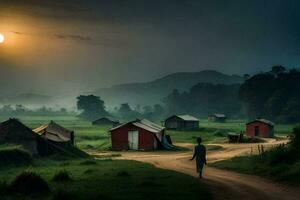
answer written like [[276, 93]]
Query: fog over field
[[64, 48]]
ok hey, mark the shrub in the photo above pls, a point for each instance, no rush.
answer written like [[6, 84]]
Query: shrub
[[3, 188], [63, 195], [295, 142], [29, 183], [15, 156], [149, 184], [88, 162], [89, 171], [62, 176], [220, 133], [123, 174]]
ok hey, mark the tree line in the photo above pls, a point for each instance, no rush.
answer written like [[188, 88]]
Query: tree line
[[273, 95], [19, 109]]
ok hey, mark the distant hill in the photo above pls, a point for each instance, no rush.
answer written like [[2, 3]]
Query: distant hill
[[26, 99], [150, 93]]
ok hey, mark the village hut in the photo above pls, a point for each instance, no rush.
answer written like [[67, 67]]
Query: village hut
[[53, 138], [13, 131], [235, 137], [260, 128], [106, 121], [217, 117], [138, 135], [182, 122]]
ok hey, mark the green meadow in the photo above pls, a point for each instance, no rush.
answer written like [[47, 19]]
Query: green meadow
[[89, 137], [102, 179], [106, 178]]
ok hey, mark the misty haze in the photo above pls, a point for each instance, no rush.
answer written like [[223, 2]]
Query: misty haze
[[144, 99]]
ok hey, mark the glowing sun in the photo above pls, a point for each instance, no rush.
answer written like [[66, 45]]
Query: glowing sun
[[2, 38]]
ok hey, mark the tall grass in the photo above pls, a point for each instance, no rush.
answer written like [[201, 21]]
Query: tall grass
[[280, 163]]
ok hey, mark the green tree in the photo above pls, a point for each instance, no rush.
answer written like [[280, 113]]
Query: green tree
[[274, 95], [278, 69], [126, 113], [92, 107]]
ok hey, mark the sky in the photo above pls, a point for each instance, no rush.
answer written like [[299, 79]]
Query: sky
[[72, 46]]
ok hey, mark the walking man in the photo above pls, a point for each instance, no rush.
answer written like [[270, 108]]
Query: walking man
[[200, 155]]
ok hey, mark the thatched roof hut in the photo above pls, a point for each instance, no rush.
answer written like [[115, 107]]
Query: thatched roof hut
[[55, 133], [54, 139], [13, 131]]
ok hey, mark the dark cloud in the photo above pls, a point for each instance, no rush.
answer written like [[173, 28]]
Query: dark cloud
[[73, 37], [158, 37], [60, 36]]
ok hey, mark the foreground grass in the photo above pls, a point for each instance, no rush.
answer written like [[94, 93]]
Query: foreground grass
[[280, 163], [107, 179], [284, 172]]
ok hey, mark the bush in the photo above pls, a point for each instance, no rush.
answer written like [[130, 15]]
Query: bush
[[123, 174], [88, 162], [29, 183], [62, 176], [282, 162], [15, 156], [89, 171], [63, 195], [149, 184], [3, 188], [295, 142], [220, 133]]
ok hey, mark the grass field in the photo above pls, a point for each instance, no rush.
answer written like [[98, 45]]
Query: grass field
[[105, 179], [97, 137], [112, 179], [286, 172], [100, 179]]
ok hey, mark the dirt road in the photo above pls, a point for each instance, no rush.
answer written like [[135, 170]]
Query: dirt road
[[223, 184]]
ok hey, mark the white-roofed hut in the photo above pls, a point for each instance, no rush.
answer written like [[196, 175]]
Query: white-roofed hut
[[138, 135], [182, 122], [217, 117]]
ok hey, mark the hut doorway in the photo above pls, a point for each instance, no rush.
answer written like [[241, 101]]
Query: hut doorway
[[256, 131], [133, 140]]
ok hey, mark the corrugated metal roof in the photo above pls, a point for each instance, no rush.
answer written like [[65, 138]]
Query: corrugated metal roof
[[187, 118], [263, 121], [144, 124], [54, 132]]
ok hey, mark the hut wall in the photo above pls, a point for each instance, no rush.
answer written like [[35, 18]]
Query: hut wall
[[174, 123], [264, 130], [119, 138], [191, 125]]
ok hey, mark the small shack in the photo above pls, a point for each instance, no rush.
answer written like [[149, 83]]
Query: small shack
[[182, 122], [260, 128], [137, 135], [108, 121], [53, 138], [235, 137], [13, 131], [217, 118]]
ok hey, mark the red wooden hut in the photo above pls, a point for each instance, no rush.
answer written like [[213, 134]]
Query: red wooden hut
[[260, 128], [137, 135]]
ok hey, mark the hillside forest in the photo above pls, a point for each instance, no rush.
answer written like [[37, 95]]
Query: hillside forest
[[274, 95]]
